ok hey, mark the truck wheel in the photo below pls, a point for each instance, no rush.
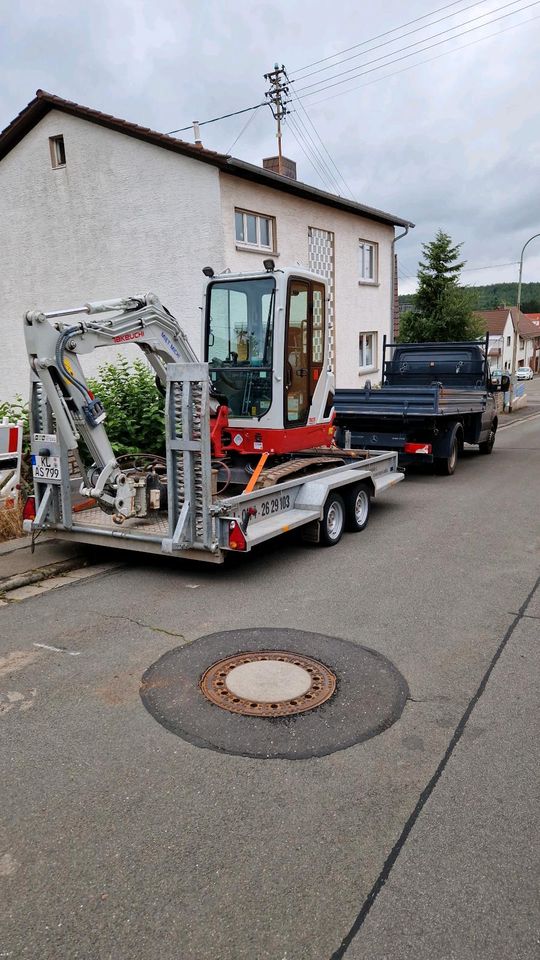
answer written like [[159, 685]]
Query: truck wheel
[[446, 466], [333, 521], [357, 506], [487, 445]]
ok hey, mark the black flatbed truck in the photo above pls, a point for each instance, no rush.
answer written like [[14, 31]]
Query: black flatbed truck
[[434, 398]]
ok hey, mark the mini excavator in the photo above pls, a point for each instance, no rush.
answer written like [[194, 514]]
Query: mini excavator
[[266, 346]]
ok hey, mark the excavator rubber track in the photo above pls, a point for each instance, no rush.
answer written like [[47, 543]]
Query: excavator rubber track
[[295, 468]]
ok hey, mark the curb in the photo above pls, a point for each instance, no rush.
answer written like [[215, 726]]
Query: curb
[[41, 573]]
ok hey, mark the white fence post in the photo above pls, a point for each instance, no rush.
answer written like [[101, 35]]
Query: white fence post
[[11, 441]]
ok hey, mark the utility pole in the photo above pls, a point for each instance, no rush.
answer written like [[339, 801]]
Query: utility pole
[[516, 331], [279, 89]]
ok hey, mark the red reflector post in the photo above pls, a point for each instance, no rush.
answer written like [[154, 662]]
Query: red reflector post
[[417, 448], [13, 440], [237, 540], [29, 509]]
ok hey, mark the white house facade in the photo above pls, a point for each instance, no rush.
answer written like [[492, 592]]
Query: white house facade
[[332, 242], [94, 207], [506, 326]]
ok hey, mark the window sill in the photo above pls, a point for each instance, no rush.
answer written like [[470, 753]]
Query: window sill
[[262, 251], [363, 370], [368, 283]]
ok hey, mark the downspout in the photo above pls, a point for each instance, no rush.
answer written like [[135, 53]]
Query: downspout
[[394, 277]]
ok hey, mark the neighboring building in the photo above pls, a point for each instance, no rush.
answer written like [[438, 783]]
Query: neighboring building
[[95, 207], [503, 325]]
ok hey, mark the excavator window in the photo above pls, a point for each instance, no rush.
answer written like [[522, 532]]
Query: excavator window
[[239, 343], [304, 347]]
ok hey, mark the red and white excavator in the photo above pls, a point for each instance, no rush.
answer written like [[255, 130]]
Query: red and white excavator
[[256, 412]]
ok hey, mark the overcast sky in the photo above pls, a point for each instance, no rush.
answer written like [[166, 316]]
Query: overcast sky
[[451, 143]]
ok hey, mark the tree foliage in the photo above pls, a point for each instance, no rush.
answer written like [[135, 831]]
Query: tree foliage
[[135, 409], [442, 309]]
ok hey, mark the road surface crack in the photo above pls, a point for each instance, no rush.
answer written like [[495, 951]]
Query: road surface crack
[[141, 623]]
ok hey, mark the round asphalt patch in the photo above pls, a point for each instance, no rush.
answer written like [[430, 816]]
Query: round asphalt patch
[[370, 696]]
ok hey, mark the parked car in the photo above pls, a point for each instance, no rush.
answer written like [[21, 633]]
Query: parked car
[[496, 374], [524, 373]]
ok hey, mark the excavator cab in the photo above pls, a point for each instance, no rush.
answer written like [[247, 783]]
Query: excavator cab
[[266, 344]]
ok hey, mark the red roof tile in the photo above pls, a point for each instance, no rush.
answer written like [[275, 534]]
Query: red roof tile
[[495, 322]]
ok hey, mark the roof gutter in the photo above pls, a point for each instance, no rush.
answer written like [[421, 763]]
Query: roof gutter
[[395, 279]]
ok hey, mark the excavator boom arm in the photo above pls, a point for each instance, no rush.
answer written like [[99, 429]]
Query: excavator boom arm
[[55, 340]]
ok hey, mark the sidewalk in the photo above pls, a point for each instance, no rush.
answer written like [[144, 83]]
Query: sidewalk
[[465, 883], [17, 559]]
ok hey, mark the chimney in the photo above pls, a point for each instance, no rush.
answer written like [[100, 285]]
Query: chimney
[[197, 134], [282, 166]]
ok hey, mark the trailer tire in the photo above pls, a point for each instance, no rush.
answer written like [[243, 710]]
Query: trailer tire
[[332, 524], [446, 466], [357, 507]]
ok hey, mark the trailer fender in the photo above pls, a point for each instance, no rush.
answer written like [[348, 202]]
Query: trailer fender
[[314, 493]]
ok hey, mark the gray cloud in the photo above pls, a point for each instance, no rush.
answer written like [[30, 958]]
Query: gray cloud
[[453, 143]]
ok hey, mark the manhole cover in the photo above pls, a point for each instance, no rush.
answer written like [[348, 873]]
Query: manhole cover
[[268, 683], [361, 693]]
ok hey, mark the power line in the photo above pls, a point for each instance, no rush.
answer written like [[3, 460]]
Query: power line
[[492, 266], [277, 94], [299, 123], [412, 66], [225, 116], [311, 155], [401, 37], [378, 37], [332, 161], [243, 130], [325, 85]]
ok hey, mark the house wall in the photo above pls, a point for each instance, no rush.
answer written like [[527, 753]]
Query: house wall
[[525, 347], [358, 307], [122, 217]]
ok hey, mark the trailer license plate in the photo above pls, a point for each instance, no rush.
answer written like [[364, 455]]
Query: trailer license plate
[[46, 468]]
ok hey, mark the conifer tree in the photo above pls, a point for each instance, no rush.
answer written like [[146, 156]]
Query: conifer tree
[[443, 310]]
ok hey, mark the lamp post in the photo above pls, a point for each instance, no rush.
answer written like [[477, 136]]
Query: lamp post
[[516, 332]]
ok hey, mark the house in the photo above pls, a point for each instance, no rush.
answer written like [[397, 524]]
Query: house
[[95, 207], [504, 325]]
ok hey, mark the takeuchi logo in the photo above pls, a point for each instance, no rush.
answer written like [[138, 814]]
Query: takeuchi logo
[[129, 336]]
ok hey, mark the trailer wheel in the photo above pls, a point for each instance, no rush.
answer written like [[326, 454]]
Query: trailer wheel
[[446, 466], [333, 521], [357, 506]]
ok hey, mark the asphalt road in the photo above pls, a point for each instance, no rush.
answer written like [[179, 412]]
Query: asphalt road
[[121, 840]]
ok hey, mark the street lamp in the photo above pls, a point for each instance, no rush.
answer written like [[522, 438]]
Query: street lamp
[[516, 334]]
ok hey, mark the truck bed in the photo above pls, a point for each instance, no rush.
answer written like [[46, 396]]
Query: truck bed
[[404, 402]]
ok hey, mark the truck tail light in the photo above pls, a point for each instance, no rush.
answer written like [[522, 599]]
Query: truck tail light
[[29, 509], [237, 539], [417, 448]]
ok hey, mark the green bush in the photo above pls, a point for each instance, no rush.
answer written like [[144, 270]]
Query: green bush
[[135, 408], [16, 410]]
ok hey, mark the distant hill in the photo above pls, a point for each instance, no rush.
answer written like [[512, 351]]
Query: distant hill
[[495, 295]]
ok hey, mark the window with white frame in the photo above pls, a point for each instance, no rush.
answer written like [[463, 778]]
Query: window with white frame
[[254, 230], [367, 257], [367, 351]]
